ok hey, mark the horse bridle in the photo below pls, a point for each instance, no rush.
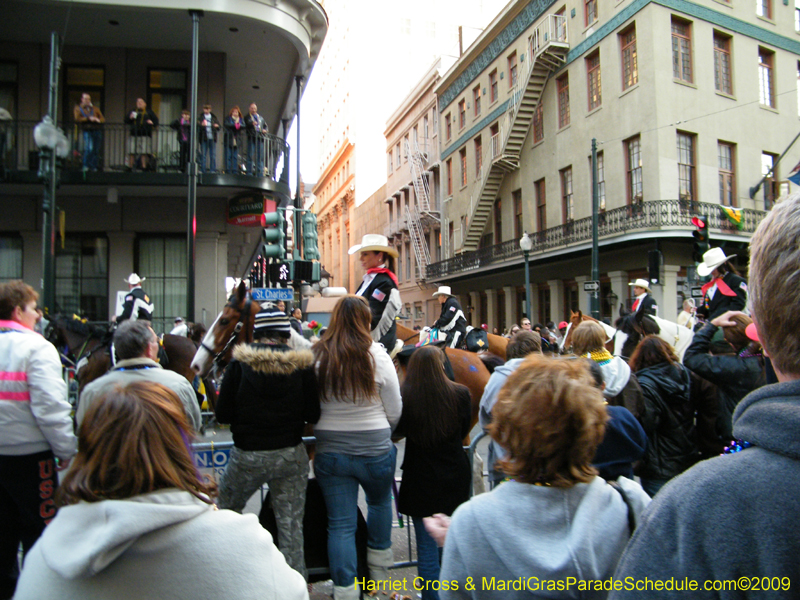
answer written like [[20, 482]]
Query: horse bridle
[[244, 316]]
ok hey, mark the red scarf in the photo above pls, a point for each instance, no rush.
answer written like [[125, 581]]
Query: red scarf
[[721, 286], [391, 275]]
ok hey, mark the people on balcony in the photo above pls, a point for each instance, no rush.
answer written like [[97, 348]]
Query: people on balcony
[[644, 301], [209, 128], [183, 127], [452, 320], [234, 126], [142, 122], [90, 119], [257, 131]]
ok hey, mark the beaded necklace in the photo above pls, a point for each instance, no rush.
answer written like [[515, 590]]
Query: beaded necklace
[[601, 357], [736, 446]]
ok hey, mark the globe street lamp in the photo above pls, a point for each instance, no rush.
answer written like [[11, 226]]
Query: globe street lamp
[[526, 245]]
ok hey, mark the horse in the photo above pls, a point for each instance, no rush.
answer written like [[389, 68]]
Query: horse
[[497, 343], [575, 319], [632, 327]]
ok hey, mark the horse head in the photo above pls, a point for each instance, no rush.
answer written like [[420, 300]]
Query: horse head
[[232, 326], [635, 326]]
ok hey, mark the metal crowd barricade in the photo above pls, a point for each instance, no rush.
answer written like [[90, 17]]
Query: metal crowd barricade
[[211, 458]]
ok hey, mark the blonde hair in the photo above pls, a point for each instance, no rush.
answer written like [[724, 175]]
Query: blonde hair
[[588, 336], [550, 417]]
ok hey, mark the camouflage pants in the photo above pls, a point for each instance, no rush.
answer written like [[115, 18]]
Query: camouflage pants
[[285, 471]]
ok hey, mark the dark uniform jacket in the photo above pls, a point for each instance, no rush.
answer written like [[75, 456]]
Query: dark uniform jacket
[[720, 303], [268, 394], [255, 126], [139, 125], [384, 303], [452, 321], [648, 305], [138, 305]]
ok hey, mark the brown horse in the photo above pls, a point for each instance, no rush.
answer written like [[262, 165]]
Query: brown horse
[[575, 319], [497, 343]]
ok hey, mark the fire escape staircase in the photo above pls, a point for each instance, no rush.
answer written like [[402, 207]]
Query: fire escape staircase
[[548, 50], [422, 212]]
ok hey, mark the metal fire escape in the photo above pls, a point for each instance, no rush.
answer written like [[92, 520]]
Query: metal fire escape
[[548, 47], [422, 212]]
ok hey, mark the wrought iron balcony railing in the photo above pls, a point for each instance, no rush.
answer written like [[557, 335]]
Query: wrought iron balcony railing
[[117, 149], [652, 215]]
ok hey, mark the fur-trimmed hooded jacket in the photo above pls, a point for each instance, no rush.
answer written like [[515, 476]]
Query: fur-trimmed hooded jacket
[[268, 394]]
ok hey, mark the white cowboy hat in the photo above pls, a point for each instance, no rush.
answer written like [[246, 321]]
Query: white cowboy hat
[[178, 319], [711, 260], [375, 243], [444, 290], [134, 279], [642, 283]]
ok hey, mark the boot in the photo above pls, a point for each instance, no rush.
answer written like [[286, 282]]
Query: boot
[[350, 592], [379, 562]]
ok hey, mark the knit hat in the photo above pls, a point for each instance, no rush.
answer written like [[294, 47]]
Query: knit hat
[[271, 320]]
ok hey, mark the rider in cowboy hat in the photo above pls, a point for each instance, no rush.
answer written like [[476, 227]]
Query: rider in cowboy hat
[[644, 301], [452, 320], [726, 290], [379, 287], [137, 304]]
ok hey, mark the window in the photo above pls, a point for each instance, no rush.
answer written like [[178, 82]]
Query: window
[[397, 154], [768, 161], [766, 79], [10, 258], [601, 181], [462, 154], [722, 63], [407, 253], [389, 162], [516, 195], [590, 11], [462, 114], [425, 132], [79, 80], [630, 64], [633, 160], [167, 94], [538, 123], [686, 163], [493, 86], [797, 15], [406, 148], [476, 100], [81, 277], [764, 8], [448, 125], [561, 25], [478, 156], [541, 205], [544, 303], [512, 70], [682, 50], [449, 177], [567, 206], [563, 100], [498, 221], [494, 132], [727, 177], [163, 260], [593, 80]]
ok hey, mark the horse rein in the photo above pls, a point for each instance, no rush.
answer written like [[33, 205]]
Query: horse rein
[[244, 316]]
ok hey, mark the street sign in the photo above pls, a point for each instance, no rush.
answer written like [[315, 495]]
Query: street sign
[[591, 286], [697, 292], [272, 294]]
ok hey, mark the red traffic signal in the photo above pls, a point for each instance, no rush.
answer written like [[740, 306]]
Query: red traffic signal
[[699, 221]]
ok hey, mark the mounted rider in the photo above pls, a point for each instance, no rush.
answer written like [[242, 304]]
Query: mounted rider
[[137, 303], [452, 320]]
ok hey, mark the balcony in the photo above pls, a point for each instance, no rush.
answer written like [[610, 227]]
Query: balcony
[[647, 216], [123, 159]]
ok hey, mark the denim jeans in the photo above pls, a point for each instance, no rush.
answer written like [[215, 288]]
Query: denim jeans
[[209, 155], [429, 560], [91, 146], [255, 155], [231, 159], [339, 476]]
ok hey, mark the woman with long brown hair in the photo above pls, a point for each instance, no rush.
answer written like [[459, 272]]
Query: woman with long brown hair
[[137, 522], [436, 473], [360, 406]]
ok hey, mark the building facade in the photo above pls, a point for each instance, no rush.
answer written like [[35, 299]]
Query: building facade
[[671, 92], [124, 215]]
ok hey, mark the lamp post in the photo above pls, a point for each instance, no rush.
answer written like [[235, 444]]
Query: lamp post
[[526, 245]]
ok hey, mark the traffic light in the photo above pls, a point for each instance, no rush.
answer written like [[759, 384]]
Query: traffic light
[[700, 235], [273, 235], [654, 266], [310, 248]]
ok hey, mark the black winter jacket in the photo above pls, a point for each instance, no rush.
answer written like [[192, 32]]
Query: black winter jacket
[[734, 377], [668, 421], [268, 394]]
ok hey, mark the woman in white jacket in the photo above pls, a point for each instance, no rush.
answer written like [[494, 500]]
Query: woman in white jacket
[[360, 406], [138, 523]]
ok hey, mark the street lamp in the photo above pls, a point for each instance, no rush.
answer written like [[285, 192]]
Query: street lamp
[[52, 143], [526, 245]]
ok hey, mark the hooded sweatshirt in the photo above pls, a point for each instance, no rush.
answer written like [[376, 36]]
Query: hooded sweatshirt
[[521, 532], [488, 400], [622, 388], [166, 544]]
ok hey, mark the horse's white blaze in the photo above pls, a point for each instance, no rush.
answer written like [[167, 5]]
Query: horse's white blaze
[[201, 362], [619, 341]]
